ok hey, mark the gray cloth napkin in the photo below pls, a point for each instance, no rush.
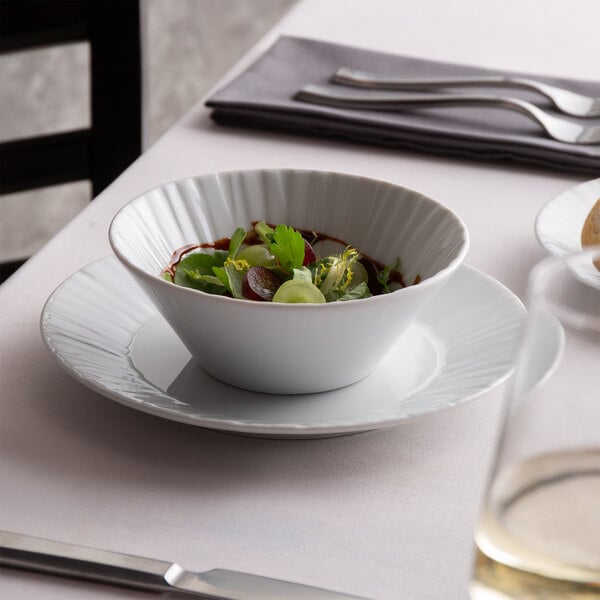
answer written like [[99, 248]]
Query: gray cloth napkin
[[262, 97]]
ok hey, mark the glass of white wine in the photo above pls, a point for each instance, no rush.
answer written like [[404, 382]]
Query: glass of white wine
[[539, 531]]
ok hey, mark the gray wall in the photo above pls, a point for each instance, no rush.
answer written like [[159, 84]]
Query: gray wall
[[187, 46]]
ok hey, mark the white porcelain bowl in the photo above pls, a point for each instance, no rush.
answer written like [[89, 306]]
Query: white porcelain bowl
[[290, 348]]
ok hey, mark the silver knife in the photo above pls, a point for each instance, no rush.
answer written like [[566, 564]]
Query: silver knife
[[37, 554]]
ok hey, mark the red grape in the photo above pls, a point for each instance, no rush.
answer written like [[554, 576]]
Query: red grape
[[309, 254], [260, 283]]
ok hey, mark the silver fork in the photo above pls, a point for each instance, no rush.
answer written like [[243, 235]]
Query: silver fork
[[570, 103], [560, 129]]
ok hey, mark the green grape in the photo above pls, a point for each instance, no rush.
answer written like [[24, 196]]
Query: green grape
[[359, 275], [257, 255], [298, 291]]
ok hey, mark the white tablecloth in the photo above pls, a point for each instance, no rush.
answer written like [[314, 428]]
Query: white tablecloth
[[385, 514]]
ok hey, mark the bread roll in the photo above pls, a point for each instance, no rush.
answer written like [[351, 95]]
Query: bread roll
[[590, 234]]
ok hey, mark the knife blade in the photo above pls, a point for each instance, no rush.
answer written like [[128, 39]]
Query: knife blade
[[59, 558]]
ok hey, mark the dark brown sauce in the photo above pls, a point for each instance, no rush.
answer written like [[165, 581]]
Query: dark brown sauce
[[177, 256], [312, 237]]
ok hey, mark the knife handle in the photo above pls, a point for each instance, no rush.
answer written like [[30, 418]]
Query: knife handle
[[362, 79], [58, 558]]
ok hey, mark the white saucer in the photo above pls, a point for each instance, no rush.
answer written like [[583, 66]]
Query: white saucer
[[558, 225], [104, 331]]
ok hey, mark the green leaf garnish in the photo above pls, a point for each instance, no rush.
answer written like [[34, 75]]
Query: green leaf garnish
[[356, 293], [236, 241], [221, 275], [288, 247], [231, 276], [201, 262], [384, 276], [235, 276], [205, 283], [330, 275], [196, 271]]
